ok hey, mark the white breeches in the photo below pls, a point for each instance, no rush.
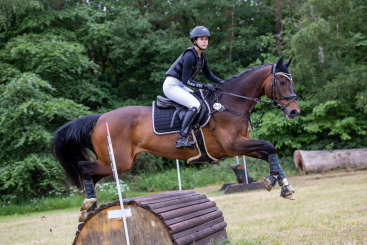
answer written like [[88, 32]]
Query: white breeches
[[175, 90]]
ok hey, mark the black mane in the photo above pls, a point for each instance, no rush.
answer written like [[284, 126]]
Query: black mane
[[248, 71]]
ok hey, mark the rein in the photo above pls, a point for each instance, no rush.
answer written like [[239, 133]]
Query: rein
[[274, 85]]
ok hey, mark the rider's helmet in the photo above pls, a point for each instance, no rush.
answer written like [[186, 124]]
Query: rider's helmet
[[199, 31]]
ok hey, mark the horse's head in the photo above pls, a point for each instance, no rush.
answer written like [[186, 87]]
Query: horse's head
[[279, 88]]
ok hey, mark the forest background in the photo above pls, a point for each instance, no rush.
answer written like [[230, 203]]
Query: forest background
[[63, 59]]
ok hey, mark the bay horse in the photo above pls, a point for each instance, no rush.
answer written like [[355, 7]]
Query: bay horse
[[132, 131]]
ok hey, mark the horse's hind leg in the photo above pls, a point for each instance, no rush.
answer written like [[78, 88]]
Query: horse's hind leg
[[92, 172]]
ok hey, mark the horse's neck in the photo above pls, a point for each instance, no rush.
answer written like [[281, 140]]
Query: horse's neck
[[251, 86]]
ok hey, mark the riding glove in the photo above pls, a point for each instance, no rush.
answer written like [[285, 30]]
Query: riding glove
[[209, 87]]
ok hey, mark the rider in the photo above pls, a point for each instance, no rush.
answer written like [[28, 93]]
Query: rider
[[182, 73]]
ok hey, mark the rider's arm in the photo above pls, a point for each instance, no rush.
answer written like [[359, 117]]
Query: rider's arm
[[210, 76], [189, 60]]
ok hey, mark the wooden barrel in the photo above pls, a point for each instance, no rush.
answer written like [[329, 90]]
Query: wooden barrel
[[319, 161], [178, 217]]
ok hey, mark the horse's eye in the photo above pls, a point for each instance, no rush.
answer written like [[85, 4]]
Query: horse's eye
[[282, 82]]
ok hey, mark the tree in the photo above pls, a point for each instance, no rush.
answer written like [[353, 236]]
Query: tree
[[329, 69]]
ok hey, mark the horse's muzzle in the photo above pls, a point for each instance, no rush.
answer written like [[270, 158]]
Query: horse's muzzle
[[291, 114]]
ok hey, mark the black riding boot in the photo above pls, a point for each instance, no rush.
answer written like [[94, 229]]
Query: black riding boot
[[182, 140]]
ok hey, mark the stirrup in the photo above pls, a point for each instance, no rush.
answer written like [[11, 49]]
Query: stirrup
[[181, 143]]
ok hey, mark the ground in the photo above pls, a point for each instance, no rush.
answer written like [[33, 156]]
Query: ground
[[330, 208]]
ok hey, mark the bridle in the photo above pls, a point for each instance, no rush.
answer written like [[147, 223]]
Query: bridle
[[274, 85], [275, 103]]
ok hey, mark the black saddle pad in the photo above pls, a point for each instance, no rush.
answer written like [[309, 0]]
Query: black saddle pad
[[162, 118]]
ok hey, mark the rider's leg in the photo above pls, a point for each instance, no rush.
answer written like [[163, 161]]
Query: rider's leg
[[182, 140], [177, 92]]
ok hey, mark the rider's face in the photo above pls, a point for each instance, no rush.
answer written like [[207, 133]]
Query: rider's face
[[202, 42]]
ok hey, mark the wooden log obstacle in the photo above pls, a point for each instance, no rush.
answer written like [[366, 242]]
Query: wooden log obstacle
[[319, 161], [245, 182], [178, 217]]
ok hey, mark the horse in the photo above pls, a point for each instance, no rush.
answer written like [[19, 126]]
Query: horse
[[77, 143]]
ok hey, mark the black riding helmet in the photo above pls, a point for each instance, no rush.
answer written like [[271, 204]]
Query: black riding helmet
[[199, 31]]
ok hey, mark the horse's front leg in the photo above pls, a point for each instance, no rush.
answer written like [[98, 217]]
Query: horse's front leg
[[265, 150]]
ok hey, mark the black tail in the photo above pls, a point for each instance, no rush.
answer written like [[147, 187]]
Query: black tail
[[71, 143]]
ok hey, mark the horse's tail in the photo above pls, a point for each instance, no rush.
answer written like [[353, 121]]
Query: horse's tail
[[72, 143]]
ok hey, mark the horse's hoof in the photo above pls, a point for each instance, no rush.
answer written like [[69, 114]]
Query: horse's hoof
[[287, 192], [290, 197], [270, 181], [88, 203], [83, 215]]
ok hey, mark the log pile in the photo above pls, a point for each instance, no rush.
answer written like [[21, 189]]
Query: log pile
[[179, 218]]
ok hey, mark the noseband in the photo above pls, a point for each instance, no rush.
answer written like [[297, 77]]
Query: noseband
[[273, 87]]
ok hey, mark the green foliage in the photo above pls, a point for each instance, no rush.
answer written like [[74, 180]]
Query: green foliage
[[60, 62], [13, 9], [39, 205], [27, 116], [34, 176], [190, 178], [329, 71]]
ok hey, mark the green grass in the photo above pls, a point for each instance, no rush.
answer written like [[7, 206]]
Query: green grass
[[329, 209], [191, 177]]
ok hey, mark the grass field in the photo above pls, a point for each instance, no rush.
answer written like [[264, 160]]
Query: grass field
[[330, 209]]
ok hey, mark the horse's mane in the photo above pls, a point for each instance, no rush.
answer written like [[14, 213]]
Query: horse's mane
[[248, 71]]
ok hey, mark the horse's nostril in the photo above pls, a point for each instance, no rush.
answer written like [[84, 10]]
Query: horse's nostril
[[293, 112]]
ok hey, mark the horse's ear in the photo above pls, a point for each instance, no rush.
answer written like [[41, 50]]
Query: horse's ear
[[287, 64], [279, 63]]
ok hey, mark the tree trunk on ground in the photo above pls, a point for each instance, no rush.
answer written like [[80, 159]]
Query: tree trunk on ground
[[319, 161]]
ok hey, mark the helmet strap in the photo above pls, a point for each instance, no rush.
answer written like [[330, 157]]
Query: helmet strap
[[199, 47]]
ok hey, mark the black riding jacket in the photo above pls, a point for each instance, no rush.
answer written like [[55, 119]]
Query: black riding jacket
[[188, 66]]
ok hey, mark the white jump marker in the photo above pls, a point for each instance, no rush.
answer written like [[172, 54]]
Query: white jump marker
[[115, 174], [245, 167], [178, 174], [117, 214]]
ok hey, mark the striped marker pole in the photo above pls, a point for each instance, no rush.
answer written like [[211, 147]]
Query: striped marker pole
[[244, 165], [238, 162], [178, 174], [115, 174]]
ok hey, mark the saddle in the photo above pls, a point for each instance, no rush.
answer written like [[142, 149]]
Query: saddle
[[167, 119], [168, 115]]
